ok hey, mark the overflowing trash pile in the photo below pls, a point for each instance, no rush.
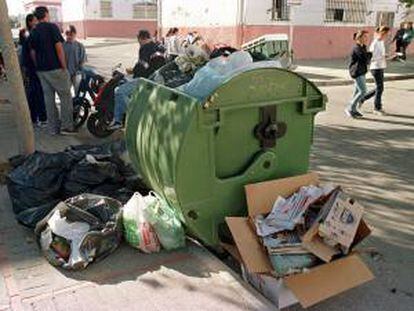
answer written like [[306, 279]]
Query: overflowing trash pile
[[74, 200], [195, 74]]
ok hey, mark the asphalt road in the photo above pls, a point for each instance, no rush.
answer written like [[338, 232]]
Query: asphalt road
[[373, 159]]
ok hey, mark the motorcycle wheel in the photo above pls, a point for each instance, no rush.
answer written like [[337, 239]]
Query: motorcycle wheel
[[98, 126], [80, 111]]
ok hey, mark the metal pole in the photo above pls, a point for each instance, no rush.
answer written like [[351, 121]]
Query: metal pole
[[15, 84]]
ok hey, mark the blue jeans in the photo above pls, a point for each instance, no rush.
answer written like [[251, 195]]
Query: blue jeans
[[122, 98], [378, 75], [359, 93]]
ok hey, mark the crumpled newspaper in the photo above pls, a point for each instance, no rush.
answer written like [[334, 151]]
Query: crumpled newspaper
[[287, 213]]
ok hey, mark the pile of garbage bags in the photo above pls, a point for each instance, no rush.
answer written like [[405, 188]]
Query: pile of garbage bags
[[38, 182]]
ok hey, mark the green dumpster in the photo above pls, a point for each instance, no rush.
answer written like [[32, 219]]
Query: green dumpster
[[272, 46], [256, 126]]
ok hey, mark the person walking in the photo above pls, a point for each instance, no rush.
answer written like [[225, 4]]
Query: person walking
[[377, 67], [75, 55], [34, 91], [398, 39], [407, 39], [358, 68], [46, 43]]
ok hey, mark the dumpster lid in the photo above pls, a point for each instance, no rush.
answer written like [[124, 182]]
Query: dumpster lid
[[266, 38]]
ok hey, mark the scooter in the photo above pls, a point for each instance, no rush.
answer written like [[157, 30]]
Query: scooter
[[104, 103], [90, 84]]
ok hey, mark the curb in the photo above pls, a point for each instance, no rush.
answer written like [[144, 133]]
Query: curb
[[370, 80]]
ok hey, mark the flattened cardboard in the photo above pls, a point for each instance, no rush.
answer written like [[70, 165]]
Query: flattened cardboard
[[251, 251], [328, 280], [313, 243], [261, 196]]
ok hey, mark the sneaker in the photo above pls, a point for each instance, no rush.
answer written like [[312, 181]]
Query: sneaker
[[358, 115], [115, 126], [68, 132], [379, 112], [353, 114], [42, 124]]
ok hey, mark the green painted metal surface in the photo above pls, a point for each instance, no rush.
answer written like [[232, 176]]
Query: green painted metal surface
[[199, 155]]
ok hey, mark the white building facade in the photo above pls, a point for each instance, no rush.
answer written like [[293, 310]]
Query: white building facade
[[110, 18], [320, 29], [54, 6]]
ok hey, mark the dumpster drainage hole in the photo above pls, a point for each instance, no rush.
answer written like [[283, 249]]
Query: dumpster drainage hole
[[266, 164], [193, 215]]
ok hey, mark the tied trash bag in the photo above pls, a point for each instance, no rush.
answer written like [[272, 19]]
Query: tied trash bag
[[166, 222], [34, 184], [139, 233], [81, 230]]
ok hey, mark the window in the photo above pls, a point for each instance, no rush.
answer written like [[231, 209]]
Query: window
[[144, 11], [346, 11], [279, 10], [385, 19], [106, 8]]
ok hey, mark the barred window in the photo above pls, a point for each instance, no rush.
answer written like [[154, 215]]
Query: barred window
[[279, 10], [106, 8], [144, 11], [346, 11]]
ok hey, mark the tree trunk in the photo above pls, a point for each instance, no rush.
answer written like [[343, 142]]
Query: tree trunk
[[15, 84]]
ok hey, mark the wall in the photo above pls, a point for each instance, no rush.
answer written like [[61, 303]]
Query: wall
[[85, 16], [73, 10], [199, 13], [53, 5]]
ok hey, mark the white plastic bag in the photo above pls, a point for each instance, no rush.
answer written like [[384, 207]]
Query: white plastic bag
[[139, 233]]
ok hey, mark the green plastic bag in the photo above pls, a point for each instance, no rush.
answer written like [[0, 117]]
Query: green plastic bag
[[165, 222]]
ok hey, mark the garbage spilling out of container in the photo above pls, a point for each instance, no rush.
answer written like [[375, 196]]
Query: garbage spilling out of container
[[80, 230], [298, 242]]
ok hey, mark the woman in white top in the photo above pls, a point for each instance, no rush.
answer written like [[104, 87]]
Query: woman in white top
[[377, 67], [173, 43]]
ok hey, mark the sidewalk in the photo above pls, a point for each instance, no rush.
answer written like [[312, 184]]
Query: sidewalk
[[333, 72], [187, 279]]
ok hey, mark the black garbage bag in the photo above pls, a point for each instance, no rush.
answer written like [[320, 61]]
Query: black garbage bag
[[41, 180], [91, 172], [34, 184], [81, 230]]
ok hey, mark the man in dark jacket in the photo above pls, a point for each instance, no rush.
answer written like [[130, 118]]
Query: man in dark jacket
[[142, 69], [46, 43]]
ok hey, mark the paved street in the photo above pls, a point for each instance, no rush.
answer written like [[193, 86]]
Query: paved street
[[373, 158]]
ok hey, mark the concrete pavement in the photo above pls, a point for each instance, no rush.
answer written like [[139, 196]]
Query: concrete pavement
[[334, 72]]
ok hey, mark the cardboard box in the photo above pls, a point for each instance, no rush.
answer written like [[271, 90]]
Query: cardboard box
[[309, 288]]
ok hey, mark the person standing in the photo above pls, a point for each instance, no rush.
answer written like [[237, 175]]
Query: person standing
[[358, 68], [34, 91], [75, 55], [377, 67], [46, 43]]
